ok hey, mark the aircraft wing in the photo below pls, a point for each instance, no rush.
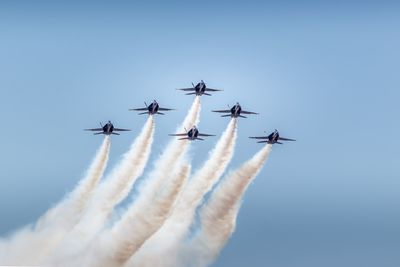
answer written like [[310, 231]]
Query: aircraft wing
[[183, 134], [139, 109], [212, 90], [206, 134], [286, 139], [248, 112], [165, 109], [187, 89], [119, 129], [222, 111], [259, 137], [94, 129]]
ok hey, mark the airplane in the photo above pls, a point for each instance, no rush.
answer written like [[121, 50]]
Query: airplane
[[192, 134], [107, 129], [273, 138], [199, 89], [235, 112], [152, 109]]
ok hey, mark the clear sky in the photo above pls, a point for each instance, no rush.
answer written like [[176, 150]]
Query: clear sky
[[326, 74]]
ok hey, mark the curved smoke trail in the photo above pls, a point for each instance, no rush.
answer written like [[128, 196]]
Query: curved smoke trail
[[110, 192], [162, 182], [192, 118], [31, 245], [153, 229], [218, 217], [166, 241], [137, 225], [71, 211], [164, 168]]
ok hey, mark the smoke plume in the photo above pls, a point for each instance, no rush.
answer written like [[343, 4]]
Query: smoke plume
[[166, 241], [137, 225], [218, 217], [109, 193], [55, 223], [146, 215], [153, 230]]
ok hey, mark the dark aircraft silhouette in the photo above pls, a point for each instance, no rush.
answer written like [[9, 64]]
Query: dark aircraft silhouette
[[107, 129], [199, 89], [235, 112], [152, 109], [192, 134], [273, 138]]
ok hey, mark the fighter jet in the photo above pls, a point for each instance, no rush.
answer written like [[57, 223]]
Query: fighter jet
[[192, 134], [199, 89], [151, 109], [106, 129], [235, 112], [273, 138]]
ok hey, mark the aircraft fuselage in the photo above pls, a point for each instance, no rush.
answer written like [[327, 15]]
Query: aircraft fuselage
[[235, 110], [153, 108], [273, 137], [200, 88], [108, 128], [193, 133]]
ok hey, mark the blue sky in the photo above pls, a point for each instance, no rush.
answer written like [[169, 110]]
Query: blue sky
[[323, 73]]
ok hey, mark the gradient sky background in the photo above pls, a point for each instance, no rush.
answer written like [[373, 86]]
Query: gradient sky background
[[326, 74]]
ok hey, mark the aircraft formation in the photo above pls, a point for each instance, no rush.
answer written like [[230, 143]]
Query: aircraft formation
[[193, 134]]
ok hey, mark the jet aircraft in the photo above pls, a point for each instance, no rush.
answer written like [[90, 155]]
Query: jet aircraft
[[192, 134], [107, 129], [273, 138], [199, 89], [235, 112], [151, 109]]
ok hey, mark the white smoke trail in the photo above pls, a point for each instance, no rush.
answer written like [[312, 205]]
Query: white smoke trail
[[164, 169], [166, 241], [157, 197], [137, 225], [31, 244], [218, 217], [193, 116], [69, 212], [110, 192]]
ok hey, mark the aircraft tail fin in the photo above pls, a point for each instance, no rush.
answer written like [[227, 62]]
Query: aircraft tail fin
[[227, 115], [197, 138], [265, 141], [184, 138], [141, 113], [207, 94], [160, 113], [191, 93], [115, 133], [98, 133], [243, 116]]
